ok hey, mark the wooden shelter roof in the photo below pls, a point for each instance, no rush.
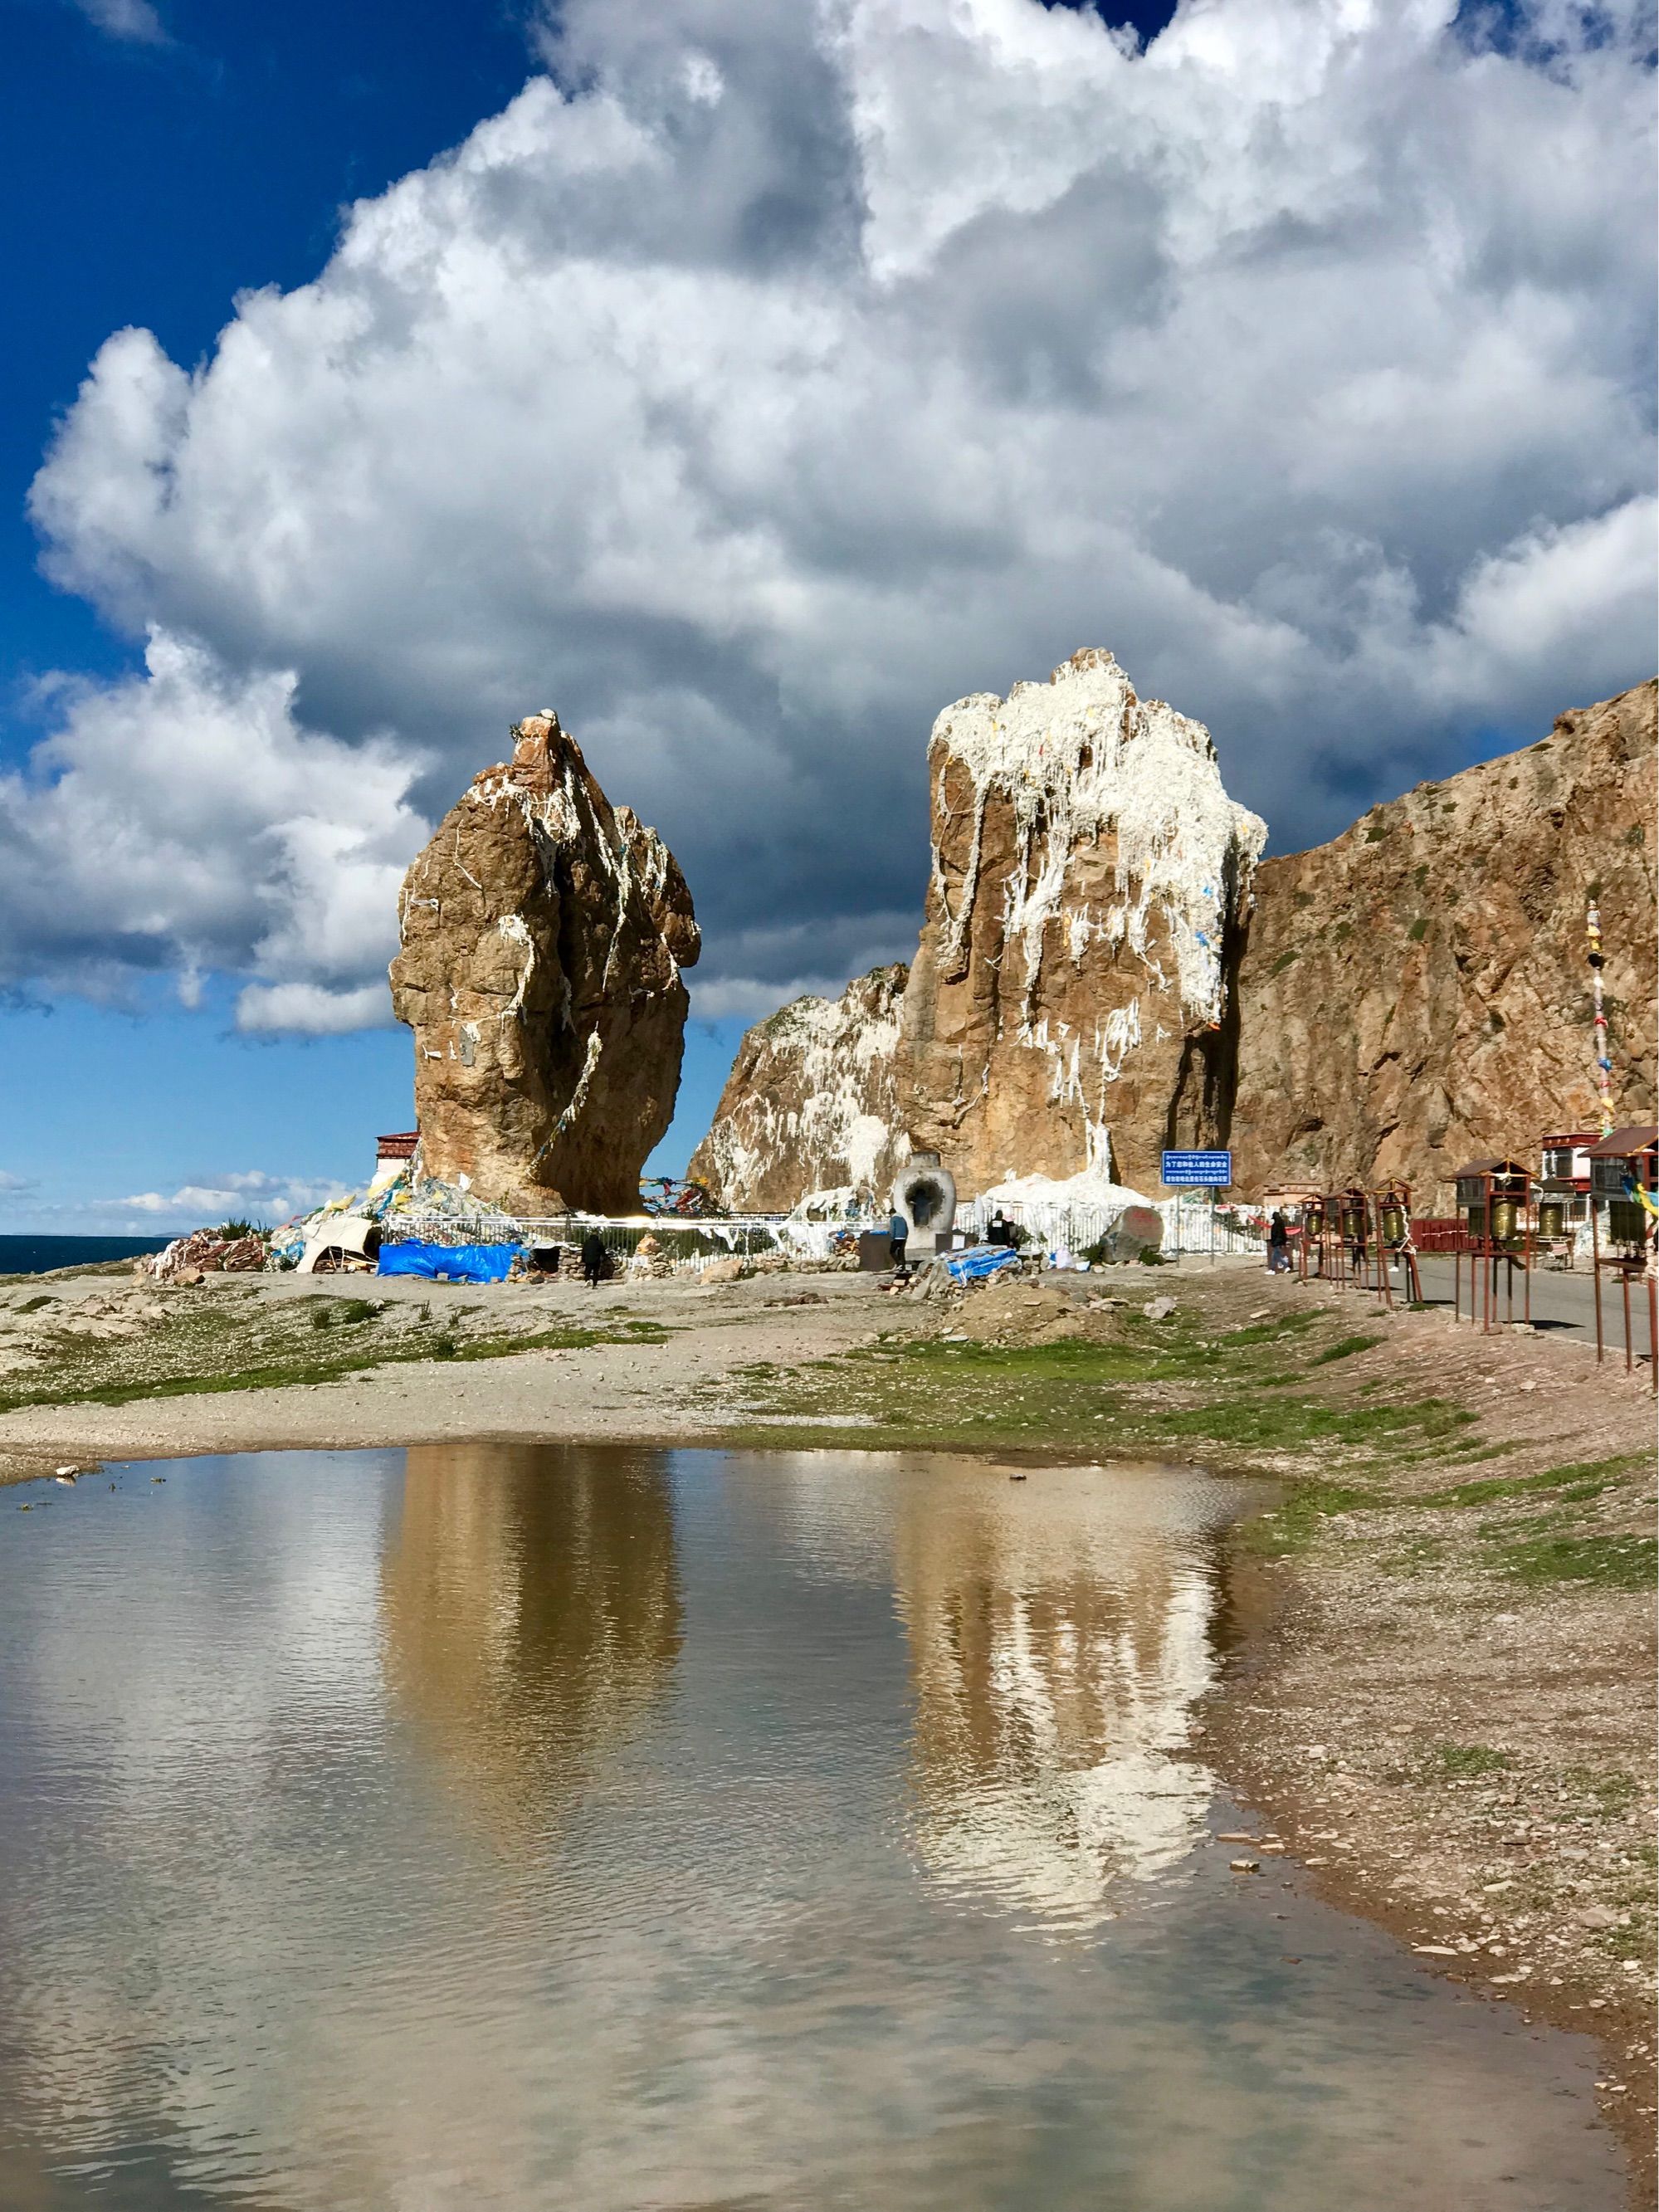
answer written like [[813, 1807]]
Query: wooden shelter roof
[[1624, 1144]]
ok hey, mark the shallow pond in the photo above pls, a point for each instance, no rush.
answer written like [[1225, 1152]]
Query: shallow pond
[[529, 1827]]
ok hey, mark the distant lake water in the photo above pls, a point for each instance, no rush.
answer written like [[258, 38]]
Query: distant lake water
[[36, 1255], [525, 1827]]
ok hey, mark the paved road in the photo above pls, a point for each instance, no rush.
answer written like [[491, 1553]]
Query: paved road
[[1562, 1304]]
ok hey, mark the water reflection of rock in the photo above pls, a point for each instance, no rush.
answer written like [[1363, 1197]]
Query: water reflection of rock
[[533, 1616], [1057, 1644]]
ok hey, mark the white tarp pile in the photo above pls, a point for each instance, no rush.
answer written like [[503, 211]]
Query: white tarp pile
[[1064, 1215]]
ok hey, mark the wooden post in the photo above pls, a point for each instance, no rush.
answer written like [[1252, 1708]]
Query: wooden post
[[1595, 1268], [1487, 1268]]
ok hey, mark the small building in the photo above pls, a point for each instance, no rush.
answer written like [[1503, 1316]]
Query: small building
[[1563, 1181], [393, 1155], [1563, 1160]]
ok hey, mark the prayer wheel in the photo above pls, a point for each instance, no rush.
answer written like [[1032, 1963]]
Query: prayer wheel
[[1393, 1223], [1624, 1222], [1553, 1217], [1506, 1221], [1316, 1221]]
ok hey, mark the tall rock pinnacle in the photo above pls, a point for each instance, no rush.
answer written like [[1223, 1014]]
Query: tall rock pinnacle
[[1072, 985], [544, 932]]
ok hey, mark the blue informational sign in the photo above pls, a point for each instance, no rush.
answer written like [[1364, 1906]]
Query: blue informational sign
[[1206, 1171]]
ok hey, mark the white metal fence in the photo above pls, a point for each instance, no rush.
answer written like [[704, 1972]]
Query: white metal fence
[[687, 1245], [1190, 1225]]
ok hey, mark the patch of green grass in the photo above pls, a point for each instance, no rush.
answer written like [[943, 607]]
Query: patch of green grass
[[1283, 1326], [281, 1373], [1415, 1553], [1613, 1792], [1343, 1350], [1286, 1422], [1624, 1563], [1419, 930], [1462, 1762], [343, 1313], [33, 1305], [1585, 1478], [1292, 1527]]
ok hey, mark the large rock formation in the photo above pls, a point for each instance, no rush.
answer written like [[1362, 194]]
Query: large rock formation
[[1072, 988], [1415, 993], [544, 932], [811, 1103]]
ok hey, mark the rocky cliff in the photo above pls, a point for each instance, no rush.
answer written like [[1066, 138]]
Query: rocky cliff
[[1415, 992], [543, 936], [811, 1103], [1071, 989]]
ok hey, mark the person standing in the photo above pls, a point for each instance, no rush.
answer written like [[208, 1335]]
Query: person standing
[[595, 1259], [898, 1231], [1278, 1243], [1000, 1232]]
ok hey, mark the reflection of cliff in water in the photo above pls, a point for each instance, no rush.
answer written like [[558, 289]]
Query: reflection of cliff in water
[[533, 1615], [1058, 1638]]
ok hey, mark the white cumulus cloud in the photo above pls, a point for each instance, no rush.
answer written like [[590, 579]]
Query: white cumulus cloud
[[252, 1194], [770, 373], [132, 20], [182, 821]]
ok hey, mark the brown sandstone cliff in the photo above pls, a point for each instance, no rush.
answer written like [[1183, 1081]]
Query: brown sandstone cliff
[[1415, 992], [811, 1103], [1070, 1001], [543, 936]]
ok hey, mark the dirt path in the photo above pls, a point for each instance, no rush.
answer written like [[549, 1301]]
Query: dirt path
[[1440, 1681]]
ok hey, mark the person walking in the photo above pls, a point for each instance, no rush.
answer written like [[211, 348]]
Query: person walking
[[596, 1262], [898, 1231], [1278, 1243]]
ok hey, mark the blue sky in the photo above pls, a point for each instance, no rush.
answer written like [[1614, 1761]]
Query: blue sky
[[1304, 357]]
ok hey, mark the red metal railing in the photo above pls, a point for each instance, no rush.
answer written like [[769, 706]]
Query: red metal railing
[[1442, 1234]]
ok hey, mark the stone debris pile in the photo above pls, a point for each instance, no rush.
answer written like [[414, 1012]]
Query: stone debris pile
[[203, 1252], [1008, 1309]]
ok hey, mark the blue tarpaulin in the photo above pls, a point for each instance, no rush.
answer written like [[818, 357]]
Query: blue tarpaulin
[[462, 1263], [979, 1260]]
